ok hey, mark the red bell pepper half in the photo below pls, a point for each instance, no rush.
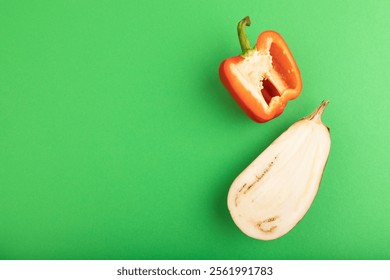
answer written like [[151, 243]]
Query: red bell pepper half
[[264, 78]]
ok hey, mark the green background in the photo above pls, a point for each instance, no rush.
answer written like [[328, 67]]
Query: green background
[[118, 141]]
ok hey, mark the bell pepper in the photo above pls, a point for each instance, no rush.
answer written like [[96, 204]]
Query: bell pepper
[[263, 78]]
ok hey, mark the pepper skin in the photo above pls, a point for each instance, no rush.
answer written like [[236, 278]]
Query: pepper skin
[[264, 78]]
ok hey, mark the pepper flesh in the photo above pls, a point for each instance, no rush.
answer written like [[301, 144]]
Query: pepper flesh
[[262, 79]]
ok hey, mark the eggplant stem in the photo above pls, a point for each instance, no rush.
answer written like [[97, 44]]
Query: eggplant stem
[[316, 115]]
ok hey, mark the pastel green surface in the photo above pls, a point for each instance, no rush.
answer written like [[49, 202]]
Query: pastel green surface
[[118, 141]]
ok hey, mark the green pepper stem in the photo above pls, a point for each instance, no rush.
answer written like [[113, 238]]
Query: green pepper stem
[[244, 41]]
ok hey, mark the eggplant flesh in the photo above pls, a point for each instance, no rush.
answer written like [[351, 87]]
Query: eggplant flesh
[[277, 189]]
